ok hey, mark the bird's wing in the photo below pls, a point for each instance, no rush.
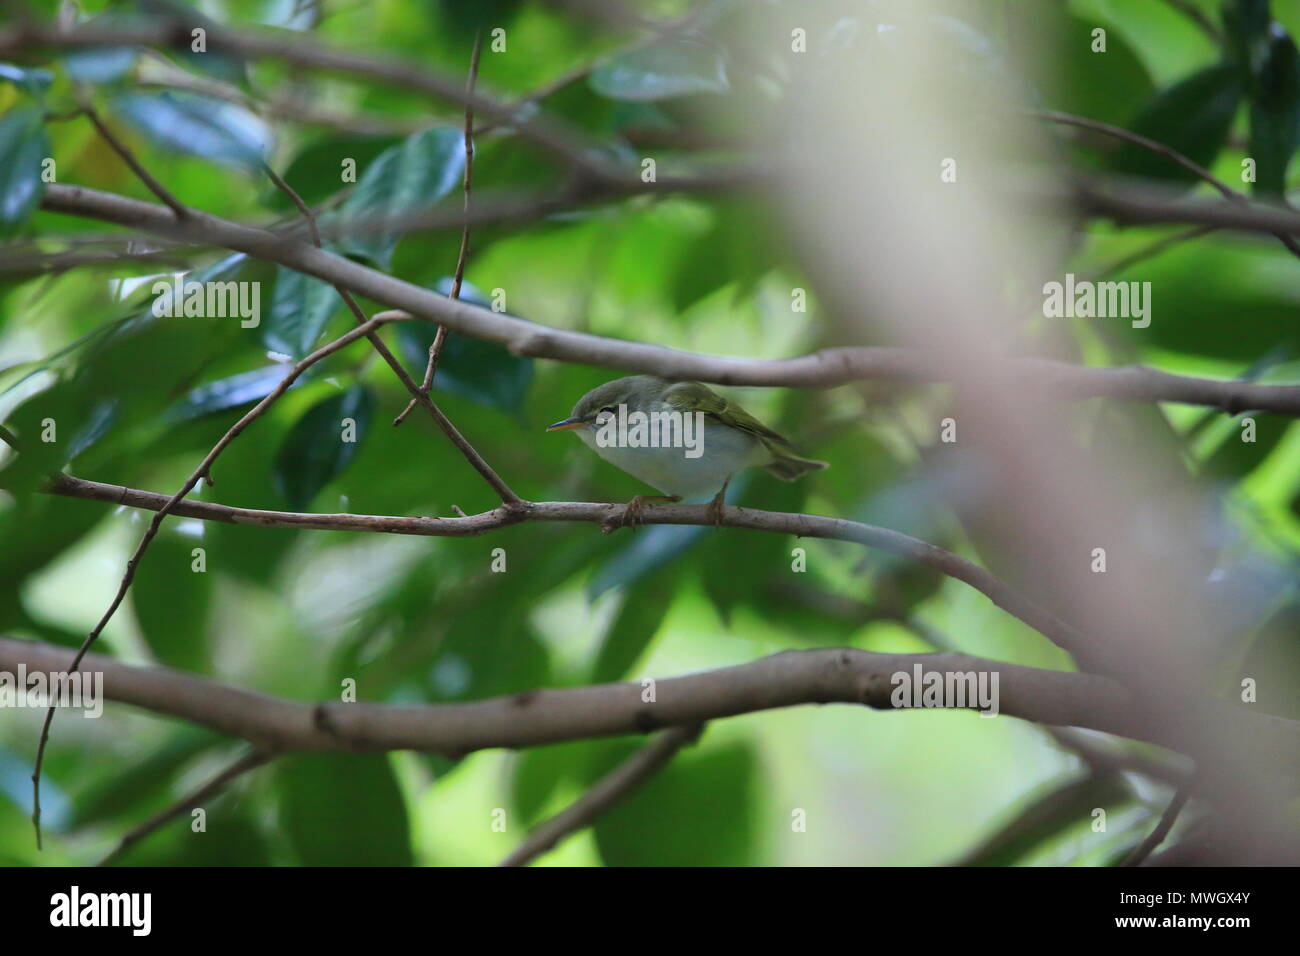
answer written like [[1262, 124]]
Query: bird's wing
[[694, 397]]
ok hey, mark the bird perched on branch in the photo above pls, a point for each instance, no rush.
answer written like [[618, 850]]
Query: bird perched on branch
[[681, 438]]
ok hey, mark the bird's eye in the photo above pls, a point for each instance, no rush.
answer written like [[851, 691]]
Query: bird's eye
[[608, 409]]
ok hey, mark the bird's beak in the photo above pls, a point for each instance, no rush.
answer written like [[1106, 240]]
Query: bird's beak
[[568, 425]]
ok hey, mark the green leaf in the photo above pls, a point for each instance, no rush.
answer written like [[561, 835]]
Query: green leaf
[[23, 147], [231, 392], [317, 171], [1246, 24], [412, 176], [739, 248], [697, 811], [1051, 812], [171, 601], [1275, 114], [463, 20], [1192, 117], [223, 64], [678, 67], [539, 770], [34, 531], [134, 782], [1109, 86], [1235, 458], [33, 82], [103, 66], [650, 548], [314, 452], [483, 372], [1198, 283], [100, 66], [197, 126], [344, 810], [301, 307], [634, 627]]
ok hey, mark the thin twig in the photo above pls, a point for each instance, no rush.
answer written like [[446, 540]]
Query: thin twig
[[822, 369], [435, 347], [1169, 153], [498, 484], [1167, 819], [155, 187], [608, 516], [203, 468], [250, 761], [609, 790]]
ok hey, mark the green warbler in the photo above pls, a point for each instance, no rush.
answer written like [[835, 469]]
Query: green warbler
[[681, 438]]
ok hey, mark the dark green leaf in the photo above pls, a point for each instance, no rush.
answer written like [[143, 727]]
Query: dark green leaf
[[539, 770], [1275, 114], [301, 307], [1236, 458], [314, 452], [135, 782], [1199, 283], [198, 126], [344, 810], [171, 601], [1052, 812], [651, 547], [634, 627], [317, 171], [467, 19], [483, 372], [405, 178], [697, 811], [1192, 117], [1109, 86], [1246, 24], [231, 392], [677, 67], [23, 147], [34, 531]]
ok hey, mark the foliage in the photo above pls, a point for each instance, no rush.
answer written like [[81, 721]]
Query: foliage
[[139, 399]]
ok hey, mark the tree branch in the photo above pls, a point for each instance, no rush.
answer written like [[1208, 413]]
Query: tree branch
[[435, 347], [169, 504], [609, 517], [567, 144], [820, 369], [535, 718], [1160, 149]]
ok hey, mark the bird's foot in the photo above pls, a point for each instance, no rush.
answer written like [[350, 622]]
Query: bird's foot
[[632, 510]]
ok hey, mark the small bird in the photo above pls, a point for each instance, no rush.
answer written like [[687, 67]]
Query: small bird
[[686, 441]]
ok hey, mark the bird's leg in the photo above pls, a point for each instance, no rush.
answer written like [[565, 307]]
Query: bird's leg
[[632, 511], [719, 504]]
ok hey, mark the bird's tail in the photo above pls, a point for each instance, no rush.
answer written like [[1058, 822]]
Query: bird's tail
[[788, 466]]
